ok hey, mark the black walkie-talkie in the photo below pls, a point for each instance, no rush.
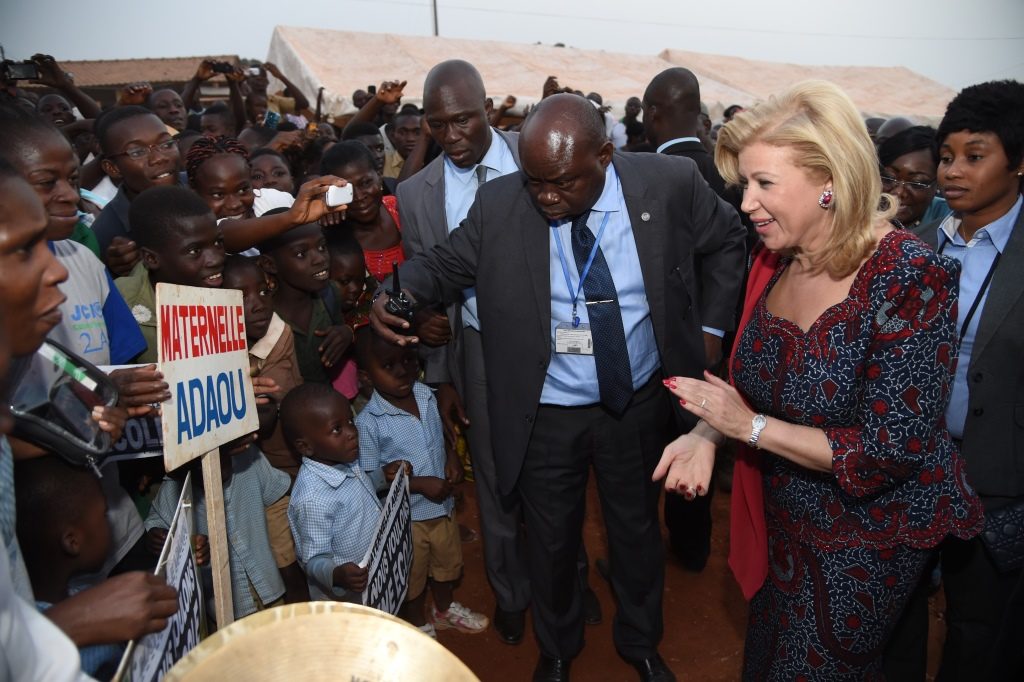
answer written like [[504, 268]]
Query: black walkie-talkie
[[398, 303]]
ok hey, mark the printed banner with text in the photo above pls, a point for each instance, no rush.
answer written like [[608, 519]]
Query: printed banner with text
[[205, 361]]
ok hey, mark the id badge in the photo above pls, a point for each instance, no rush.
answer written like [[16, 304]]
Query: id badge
[[574, 340]]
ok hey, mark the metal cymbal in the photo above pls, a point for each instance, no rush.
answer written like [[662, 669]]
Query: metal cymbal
[[320, 641]]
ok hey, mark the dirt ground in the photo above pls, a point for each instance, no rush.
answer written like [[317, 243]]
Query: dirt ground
[[705, 614]]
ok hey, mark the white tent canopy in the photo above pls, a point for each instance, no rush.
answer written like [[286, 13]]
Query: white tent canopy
[[344, 61], [876, 90]]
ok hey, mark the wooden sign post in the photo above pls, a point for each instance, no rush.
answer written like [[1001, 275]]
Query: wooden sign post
[[205, 362]]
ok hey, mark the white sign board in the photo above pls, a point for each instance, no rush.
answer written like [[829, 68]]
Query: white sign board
[[149, 659], [204, 359], [390, 555]]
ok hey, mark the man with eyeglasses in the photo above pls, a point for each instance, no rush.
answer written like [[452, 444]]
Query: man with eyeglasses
[[138, 153]]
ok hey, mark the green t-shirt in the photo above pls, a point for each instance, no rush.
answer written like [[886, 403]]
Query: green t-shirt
[[307, 343]]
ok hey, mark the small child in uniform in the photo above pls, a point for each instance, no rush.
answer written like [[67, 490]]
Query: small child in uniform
[[250, 486], [334, 508], [401, 422]]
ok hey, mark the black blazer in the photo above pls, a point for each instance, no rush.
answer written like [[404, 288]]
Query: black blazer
[[696, 152], [733, 195], [502, 249], [993, 445]]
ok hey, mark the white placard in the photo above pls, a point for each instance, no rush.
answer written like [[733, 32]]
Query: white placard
[[390, 555], [149, 659], [205, 362]]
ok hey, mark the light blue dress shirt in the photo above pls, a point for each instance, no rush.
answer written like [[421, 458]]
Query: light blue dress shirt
[[333, 515], [572, 379], [976, 258], [388, 433], [460, 187]]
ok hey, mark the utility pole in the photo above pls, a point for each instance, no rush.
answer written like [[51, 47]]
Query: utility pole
[[433, 4]]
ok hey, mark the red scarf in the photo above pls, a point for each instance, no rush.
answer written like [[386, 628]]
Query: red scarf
[[748, 532]]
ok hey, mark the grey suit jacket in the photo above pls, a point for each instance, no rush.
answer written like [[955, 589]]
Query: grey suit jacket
[[424, 225], [502, 248], [993, 444]]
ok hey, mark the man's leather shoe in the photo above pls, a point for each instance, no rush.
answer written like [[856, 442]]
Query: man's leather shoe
[[551, 669], [510, 625], [591, 607], [652, 669]]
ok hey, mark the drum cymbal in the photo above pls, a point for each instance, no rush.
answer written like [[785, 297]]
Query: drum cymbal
[[320, 641]]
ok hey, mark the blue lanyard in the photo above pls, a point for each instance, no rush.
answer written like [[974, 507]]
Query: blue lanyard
[[586, 268], [981, 291]]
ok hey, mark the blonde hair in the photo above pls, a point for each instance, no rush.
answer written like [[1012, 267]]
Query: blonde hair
[[821, 125]]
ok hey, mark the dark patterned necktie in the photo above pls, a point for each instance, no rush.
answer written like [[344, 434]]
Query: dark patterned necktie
[[614, 376]]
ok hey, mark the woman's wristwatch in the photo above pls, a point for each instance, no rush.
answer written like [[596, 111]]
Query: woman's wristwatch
[[757, 425]]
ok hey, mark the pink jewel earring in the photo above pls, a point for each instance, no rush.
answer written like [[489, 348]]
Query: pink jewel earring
[[825, 200]]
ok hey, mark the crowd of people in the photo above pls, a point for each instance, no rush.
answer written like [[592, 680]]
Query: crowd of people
[[814, 294]]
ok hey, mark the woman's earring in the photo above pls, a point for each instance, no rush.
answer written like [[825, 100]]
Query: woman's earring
[[825, 200]]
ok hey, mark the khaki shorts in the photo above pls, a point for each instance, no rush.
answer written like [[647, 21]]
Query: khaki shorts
[[282, 546], [436, 552]]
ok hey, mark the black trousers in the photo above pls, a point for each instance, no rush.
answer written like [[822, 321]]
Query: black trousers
[[623, 451], [984, 621], [984, 615]]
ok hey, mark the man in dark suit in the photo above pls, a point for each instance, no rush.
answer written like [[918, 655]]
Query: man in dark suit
[[432, 204], [574, 380], [671, 107]]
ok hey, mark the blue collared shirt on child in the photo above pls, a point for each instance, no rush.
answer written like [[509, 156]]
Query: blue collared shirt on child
[[333, 513], [387, 433]]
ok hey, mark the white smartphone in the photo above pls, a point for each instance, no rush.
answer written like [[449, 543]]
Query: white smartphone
[[336, 196]]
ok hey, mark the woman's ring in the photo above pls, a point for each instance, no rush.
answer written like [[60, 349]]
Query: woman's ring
[[703, 403]]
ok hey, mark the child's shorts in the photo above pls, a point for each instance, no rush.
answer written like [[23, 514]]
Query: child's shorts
[[282, 545], [436, 552]]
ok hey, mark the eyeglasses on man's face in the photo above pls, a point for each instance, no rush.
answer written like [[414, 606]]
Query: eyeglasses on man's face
[[139, 153]]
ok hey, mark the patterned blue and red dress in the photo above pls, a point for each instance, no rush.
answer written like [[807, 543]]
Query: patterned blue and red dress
[[846, 548]]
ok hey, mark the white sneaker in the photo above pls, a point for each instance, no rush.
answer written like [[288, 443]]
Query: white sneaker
[[460, 618], [428, 630]]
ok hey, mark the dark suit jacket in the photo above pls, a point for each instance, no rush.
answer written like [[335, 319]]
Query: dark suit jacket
[[502, 248], [696, 152], [705, 164], [993, 444], [424, 225]]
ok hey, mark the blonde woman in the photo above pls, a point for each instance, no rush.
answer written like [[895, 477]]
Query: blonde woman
[[841, 373]]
